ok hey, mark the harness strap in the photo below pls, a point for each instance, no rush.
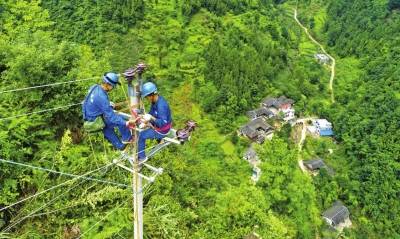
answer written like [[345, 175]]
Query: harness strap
[[165, 129]]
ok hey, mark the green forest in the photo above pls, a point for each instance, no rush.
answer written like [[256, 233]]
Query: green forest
[[213, 60]]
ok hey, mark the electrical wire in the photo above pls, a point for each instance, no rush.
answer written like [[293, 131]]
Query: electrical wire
[[62, 173], [46, 213], [119, 159], [40, 111], [59, 185], [144, 190], [46, 85], [41, 207], [108, 214], [51, 212]]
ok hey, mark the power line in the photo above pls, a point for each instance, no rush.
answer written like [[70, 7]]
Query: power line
[[145, 189], [41, 207], [60, 209], [47, 85], [50, 212], [78, 177], [59, 185], [62, 173], [108, 214], [40, 111]]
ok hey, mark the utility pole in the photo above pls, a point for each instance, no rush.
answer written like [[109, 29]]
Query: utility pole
[[135, 107], [178, 137]]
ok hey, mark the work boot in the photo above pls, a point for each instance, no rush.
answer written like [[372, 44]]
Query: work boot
[[143, 160], [129, 141]]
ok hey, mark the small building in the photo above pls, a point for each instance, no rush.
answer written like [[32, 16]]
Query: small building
[[279, 105], [314, 165], [250, 154], [336, 215], [323, 127], [322, 58], [257, 130], [256, 174], [260, 112]]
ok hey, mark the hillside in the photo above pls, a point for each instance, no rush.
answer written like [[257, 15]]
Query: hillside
[[213, 61]]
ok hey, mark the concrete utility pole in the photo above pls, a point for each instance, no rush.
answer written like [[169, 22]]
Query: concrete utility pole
[[135, 107], [177, 137]]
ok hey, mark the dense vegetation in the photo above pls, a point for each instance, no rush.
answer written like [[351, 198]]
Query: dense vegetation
[[365, 33], [213, 61], [371, 132]]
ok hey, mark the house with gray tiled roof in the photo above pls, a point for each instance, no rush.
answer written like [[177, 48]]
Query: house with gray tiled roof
[[260, 112], [257, 130], [281, 105], [336, 215]]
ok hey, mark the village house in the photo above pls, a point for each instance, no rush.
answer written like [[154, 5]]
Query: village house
[[315, 165], [256, 174], [323, 127], [322, 58], [261, 112], [257, 130], [337, 216], [250, 154], [281, 105]]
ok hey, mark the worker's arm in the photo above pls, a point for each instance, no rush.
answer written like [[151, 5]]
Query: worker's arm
[[120, 105], [162, 117], [108, 112]]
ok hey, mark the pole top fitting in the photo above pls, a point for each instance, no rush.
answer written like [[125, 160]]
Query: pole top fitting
[[130, 73], [140, 68]]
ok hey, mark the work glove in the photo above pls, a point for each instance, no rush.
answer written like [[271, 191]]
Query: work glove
[[131, 124], [147, 117], [142, 125], [112, 104]]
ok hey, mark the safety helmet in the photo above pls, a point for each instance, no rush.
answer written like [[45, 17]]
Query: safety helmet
[[148, 88], [111, 78]]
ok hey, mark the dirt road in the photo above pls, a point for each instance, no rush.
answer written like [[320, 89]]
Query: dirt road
[[333, 61]]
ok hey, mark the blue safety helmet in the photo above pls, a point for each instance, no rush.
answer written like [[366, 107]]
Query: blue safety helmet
[[111, 78], [148, 88]]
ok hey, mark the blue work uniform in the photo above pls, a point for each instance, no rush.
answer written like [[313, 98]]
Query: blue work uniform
[[97, 104], [162, 124]]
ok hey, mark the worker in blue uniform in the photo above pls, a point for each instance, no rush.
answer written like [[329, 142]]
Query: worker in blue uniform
[[158, 119], [97, 104]]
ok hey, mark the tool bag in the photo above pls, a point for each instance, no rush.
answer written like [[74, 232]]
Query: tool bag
[[92, 126]]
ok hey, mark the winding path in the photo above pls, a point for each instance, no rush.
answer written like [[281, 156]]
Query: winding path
[[333, 61], [303, 131], [301, 141]]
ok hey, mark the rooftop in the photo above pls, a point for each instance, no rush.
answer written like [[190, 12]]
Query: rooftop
[[337, 214], [321, 56], [314, 164], [277, 102], [326, 132], [323, 123], [258, 124], [250, 153], [253, 128], [259, 112]]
